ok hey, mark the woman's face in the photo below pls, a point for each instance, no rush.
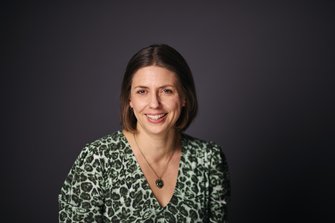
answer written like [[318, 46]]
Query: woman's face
[[156, 99]]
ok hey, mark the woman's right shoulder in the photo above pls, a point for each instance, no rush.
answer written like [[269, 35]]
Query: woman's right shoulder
[[107, 145]]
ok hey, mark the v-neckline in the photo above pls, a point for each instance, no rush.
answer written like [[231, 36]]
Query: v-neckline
[[144, 179]]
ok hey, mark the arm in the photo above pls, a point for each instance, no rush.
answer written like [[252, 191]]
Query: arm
[[80, 199], [219, 188]]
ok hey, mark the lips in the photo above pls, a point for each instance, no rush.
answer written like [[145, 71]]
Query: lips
[[156, 117]]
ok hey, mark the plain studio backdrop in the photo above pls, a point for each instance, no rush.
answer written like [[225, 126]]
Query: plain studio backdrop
[[264, 72]]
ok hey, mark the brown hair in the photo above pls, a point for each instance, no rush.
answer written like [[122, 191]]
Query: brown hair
[[167, 57]]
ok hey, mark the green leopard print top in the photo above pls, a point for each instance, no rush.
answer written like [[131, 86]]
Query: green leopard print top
[[106, 184]]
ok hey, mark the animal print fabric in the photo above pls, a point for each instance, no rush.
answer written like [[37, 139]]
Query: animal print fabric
[[106, 184]]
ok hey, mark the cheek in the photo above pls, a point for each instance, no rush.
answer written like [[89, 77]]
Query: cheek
[[137, 104], [176, 105]]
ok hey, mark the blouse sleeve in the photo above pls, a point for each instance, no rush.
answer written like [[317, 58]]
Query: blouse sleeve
[[80, 199], [219, 188]]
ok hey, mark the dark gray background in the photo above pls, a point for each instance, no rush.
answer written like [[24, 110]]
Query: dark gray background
[[264, 72]]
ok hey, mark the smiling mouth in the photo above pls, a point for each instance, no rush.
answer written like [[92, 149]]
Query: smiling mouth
[[156, 117]]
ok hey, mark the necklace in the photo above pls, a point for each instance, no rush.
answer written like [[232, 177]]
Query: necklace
[[159, 181]]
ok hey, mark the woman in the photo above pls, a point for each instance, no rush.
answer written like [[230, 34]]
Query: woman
[[151, 171]]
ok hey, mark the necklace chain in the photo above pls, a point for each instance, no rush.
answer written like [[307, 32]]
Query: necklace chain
[[159, 182]]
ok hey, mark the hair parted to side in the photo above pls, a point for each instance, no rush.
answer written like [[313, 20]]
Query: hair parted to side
[[165, 56]]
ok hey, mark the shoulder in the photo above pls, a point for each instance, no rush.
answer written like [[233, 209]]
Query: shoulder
[[200, 149], [113, 140], [204, 152], [199, 144], [103, 147]]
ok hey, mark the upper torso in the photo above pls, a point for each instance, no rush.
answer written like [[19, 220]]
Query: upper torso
[[125, 195]]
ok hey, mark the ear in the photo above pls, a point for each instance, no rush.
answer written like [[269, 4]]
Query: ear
[[183, 104], [130, 103]]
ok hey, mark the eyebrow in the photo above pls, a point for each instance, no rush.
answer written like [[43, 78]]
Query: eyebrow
[[145, 87]]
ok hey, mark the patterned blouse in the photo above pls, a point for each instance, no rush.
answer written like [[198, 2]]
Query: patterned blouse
[[106, 184]]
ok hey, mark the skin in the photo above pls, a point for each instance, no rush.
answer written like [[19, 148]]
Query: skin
[[156, 101], [155, 91]]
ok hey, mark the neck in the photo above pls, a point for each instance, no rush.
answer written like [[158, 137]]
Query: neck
[[157, 147]]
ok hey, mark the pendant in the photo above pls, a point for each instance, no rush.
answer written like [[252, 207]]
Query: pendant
[[159, 183]]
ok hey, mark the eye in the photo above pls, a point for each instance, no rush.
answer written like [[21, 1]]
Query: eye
[[167, 91], [141, 91]]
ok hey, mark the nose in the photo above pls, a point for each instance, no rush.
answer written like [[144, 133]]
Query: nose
[[154, 101]]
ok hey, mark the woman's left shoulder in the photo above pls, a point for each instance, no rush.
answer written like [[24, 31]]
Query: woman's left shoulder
[[204, 152], [197, 143]]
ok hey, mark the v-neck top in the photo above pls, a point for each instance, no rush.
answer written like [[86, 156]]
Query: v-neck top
[[106, 184]]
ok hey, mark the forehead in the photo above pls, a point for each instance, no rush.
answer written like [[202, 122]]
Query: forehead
[[152, 75]]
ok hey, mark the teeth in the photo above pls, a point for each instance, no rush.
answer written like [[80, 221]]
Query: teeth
[[155, 117]]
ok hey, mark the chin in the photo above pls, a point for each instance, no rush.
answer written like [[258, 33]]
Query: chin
[[163, 127], [157, 130]]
